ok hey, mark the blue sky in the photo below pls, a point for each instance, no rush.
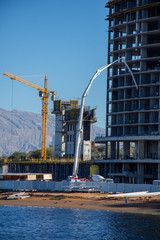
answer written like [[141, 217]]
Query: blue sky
[[66, 40]]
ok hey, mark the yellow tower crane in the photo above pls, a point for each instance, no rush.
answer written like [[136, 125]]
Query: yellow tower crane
[[43, 92]]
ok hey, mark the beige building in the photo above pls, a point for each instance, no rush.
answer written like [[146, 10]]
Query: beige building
[[67, 114]]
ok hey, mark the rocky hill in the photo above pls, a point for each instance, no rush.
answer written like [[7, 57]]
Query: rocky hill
[[21, 131]]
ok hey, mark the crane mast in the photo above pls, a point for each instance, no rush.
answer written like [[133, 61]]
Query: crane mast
[[43, 92], [44, 120]]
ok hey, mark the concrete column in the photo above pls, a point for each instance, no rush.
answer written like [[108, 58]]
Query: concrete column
[[140, 173], [109, 149], [5, 169], [59, 136], [110, 168], [158, 149], [113, 150], [137, 3], [126, 149], [137, 24], [123, 170], [159, 115], [141, 149], [117, 150], [106, 150], [144, 27], [116, 33], [123, 167], [105, 170], [158, 171]]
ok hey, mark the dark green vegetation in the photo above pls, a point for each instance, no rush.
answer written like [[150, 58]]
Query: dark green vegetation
[[58, 197], [98, 152], [36, 154]]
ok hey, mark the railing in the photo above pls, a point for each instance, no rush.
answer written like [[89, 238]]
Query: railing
[[145, 133], [100, 136], [39, 161], [136, 110]]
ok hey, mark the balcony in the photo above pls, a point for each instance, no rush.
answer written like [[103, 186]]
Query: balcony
[[145, 135], [129, 160]]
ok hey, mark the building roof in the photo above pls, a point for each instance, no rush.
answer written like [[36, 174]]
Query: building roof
[[110, 2]]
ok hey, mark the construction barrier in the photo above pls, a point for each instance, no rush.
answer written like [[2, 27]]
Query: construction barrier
[[126, 188], [60, 186]]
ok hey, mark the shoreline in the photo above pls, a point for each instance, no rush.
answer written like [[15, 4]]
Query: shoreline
[[88, 201]]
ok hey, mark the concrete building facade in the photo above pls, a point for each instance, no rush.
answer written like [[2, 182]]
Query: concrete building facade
[[67, 114], [133, 115]]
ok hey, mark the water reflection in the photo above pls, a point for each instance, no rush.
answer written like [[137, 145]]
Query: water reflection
[[18, 223]]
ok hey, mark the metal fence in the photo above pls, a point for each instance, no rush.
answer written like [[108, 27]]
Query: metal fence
[[125, 188], [59, 186]]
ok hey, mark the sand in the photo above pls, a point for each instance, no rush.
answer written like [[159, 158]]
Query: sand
[[92, 201]]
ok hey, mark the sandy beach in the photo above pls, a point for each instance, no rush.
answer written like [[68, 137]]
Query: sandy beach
[[92, 201]]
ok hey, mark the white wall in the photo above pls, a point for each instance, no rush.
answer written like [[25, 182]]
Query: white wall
[[58, 186]]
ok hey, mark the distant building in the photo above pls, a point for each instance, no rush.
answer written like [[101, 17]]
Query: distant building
[[67, 114], [133, 116]]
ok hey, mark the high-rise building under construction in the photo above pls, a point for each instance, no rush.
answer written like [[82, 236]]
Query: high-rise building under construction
[[133, 114]]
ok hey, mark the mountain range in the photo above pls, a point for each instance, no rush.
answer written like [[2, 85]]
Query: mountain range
[[21, 131]]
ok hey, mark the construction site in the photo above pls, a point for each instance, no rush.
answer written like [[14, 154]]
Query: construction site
[[82, 162], [66, 117]]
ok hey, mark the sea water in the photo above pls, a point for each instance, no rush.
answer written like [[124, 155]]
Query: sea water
[[18, 223]]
